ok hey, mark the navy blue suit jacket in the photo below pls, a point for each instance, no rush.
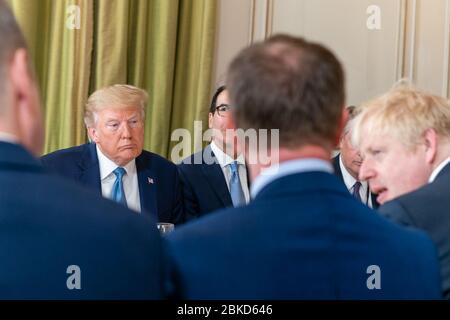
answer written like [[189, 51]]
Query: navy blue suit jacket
[[159, 186], [428, 209], [204, 187], [338, 172], [48, 224], [303, 237]]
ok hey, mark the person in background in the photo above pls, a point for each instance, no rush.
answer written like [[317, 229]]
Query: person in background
[[215, 177], [114, 164], [404, 136], [347, 163]]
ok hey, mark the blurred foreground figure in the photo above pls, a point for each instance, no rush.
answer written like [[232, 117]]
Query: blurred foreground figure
[[407, 162], [303, 236], [58, 241]]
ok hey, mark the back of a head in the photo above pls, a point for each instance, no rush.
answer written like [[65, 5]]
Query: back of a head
[[11, 40], [290, 84]]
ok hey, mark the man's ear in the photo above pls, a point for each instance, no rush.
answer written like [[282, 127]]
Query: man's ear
[[210, 119], [26, 102], [431, 141], [20, 75], [92, 132], [341, 125]]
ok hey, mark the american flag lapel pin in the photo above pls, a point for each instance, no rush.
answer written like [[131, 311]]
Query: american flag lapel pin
[[150, 180]]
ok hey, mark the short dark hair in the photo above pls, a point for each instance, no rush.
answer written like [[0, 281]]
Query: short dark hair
[[290, 84], [219, 90]]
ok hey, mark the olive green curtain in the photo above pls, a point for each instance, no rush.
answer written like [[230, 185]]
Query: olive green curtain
[[163, 46]]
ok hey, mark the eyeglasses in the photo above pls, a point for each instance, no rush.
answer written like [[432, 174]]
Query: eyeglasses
[[223, 109]]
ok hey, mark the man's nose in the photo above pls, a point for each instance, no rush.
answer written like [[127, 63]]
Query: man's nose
[[366, 172], [126, 131]]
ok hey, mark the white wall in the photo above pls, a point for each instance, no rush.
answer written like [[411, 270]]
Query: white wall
[[413, 40]]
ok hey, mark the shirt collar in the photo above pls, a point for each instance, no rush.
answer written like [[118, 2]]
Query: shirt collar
[[438, 169], [8, 137], [287, 168], [107, 166], [223, 158], [348, 178]]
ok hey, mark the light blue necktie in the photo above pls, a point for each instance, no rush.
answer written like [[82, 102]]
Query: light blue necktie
[[236, 192], [117, 192]]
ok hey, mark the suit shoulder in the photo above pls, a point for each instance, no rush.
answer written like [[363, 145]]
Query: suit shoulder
[[416, 205], [68, 153], [192, 159], [157, 159]]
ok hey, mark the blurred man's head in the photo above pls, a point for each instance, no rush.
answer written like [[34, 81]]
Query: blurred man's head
[[219, 119], [114, 118], [351, 158], [403, 136], [20, 113], [289, 84]]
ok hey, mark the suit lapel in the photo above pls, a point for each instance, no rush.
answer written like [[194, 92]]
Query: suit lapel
[[337, 167], [216, 180], [148, 182], [375, 204], [89, 168]]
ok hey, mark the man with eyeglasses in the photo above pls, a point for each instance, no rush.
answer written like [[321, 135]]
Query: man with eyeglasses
[[215, 177]]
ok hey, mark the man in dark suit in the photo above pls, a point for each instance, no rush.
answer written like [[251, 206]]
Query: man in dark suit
[[115, 164], [303, 236], [207, 177], [407, 162], [58, 241], [347, 163]]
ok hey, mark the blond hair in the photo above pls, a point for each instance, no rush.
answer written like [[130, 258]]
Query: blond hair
[[405, 113], [117, 96]]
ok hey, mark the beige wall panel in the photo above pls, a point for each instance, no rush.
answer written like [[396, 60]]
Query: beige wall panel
[[429, 45], [369, 56], [233, 33]]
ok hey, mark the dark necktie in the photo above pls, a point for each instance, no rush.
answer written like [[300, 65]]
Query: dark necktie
[[356, 188]]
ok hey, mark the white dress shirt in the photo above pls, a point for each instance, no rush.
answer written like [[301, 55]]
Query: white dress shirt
[[438, 169], [130, 180], [224, 161], [349, 181], [7, 137], [287, 168]]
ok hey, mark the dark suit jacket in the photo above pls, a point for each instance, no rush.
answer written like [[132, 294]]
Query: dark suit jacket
[[48, 224], [303, 237], [338, 172], [159, 186], [204, 186], [428, 208]]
